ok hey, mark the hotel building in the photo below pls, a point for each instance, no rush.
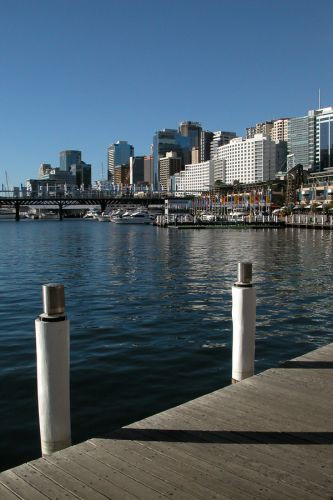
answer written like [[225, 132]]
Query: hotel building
[[246, 160]]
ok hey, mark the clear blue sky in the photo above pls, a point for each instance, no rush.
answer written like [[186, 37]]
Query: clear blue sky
[[81, 74]]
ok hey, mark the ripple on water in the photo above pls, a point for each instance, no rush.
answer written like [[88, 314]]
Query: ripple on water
[[150, 314]]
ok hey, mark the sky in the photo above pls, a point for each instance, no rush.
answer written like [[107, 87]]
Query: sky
[[82, 74]]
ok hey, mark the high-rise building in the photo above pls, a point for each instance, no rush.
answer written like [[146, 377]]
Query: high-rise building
[[180, 141], [169, 165], [148, 169], [121, 174], [136, 165], [246, 160], [279, 132], [276, 129], [301, 141], [220, 138], [192, 130], [119, 153], [206, 138], [323, 137], [260, 128], [68, 158]]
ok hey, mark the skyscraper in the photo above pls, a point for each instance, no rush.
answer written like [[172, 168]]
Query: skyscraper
[[206, 138], [180, 141], [119, 153], [301, 141], [324, 137], [69, 158]]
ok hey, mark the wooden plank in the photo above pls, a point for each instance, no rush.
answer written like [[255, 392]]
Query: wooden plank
[[152, 473], [266, 437], [88, 477], [220, 477], [200, 420], [41, 483], [191, 469], [20, 487], [6, 494], [65, 480], [124, 482], [245, 464]]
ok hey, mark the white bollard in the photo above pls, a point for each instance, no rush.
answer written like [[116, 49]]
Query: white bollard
[[244, 324], [52, 346]]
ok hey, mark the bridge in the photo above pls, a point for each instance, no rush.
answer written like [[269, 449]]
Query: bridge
[[66, 201]]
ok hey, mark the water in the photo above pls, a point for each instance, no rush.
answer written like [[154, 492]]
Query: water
[[150, 313]]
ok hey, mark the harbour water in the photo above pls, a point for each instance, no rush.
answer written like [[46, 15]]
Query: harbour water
[[150, 313]]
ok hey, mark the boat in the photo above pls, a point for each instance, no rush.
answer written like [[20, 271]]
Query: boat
[[7, 214], [137, 217], [103, 217], [91, 214]]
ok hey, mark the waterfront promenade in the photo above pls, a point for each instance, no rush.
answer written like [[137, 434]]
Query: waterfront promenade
[[269, 436]]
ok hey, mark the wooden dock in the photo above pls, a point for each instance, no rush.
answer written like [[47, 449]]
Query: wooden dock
[[268, 437]]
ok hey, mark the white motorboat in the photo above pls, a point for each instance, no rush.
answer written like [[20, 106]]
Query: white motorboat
[[138, 217], [91, 214], [103, 217]]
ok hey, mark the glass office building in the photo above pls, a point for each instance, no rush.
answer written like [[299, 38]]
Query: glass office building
[[119, 153], [68, 158], [324, 138], [179, 141], [301, 141]]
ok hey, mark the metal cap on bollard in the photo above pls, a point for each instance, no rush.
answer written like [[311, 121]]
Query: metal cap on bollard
[[244, 275], [53, 299]]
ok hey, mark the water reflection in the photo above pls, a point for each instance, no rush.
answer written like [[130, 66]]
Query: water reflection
[[150, 311]]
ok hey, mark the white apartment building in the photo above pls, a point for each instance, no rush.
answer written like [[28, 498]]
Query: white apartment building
[[196, 178], [246, 160]]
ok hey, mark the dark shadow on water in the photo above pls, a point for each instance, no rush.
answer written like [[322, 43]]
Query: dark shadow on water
[[221, 437], [307, 364]]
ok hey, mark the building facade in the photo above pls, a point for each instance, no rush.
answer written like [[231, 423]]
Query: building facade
[[301, 141], [148, 172], [246, 160], [121, 175], [137, 175], [323, 138], [68, 158], [179, 141], [279, 131], [220, 138], [168, 166], [196, 178], [119, 154], [206, 138], [82, 173]]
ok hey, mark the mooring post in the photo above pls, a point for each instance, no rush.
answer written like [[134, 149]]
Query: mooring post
[[17, 210], [244, 324], [60, 211], [52, 347]]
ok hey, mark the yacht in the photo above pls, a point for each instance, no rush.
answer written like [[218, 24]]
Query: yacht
[[91, 214], [103, 217], [137, 217]]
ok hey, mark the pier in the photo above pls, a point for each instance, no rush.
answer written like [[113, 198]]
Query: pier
[[269, 436]]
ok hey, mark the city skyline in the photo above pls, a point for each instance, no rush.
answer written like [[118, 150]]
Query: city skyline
[[71, 81]]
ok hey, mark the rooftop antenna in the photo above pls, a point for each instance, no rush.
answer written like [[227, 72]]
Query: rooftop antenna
[[102, 171], [319, 104]]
